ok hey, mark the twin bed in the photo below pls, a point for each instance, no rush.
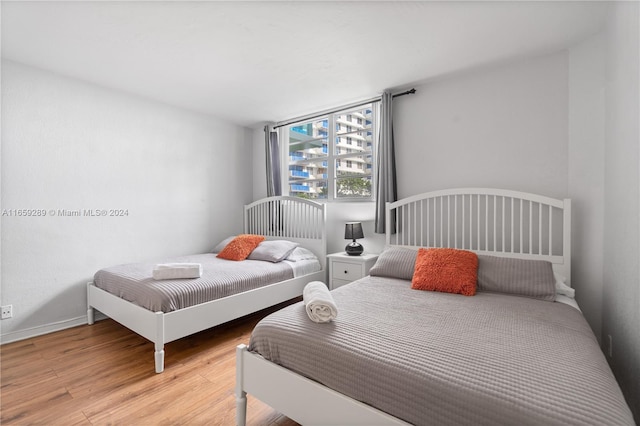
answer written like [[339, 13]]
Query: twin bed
[[517, 352], [167, 310]]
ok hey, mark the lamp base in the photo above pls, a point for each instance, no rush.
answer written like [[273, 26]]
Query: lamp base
[[354, 249]]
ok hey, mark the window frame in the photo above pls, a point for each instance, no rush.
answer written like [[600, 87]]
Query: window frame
[[332, 156]]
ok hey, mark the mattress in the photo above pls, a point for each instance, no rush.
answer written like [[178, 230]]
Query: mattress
[[433, 358], [220, 278]]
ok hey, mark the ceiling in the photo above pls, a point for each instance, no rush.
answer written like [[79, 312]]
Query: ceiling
[[251, 62]]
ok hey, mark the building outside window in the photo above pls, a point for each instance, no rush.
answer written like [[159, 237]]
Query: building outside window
[[325, 163]]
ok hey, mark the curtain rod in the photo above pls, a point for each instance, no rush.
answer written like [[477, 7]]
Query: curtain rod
[[334, 110]]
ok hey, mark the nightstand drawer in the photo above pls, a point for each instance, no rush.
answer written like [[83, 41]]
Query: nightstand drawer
[[344, 268], [347, 271]]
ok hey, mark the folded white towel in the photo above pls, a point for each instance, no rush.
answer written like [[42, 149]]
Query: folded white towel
[[172, 271], [319, 302]]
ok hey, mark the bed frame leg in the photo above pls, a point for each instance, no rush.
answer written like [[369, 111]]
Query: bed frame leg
[[159, 342], [241, 395], [241, 409], [90, 310], [159, 357]]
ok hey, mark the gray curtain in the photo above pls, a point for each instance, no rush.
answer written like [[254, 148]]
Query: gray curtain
[[274, 185], [386, 187]]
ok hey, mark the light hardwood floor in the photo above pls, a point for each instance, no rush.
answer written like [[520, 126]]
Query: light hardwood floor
[[104, 375]]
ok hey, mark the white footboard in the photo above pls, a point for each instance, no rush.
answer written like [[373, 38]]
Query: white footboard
[[150, 325], [161, 328], [303, 400]]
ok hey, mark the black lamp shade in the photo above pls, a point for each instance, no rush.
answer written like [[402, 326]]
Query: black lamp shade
[[353, 231]]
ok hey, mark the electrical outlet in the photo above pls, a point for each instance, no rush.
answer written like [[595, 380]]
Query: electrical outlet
[[7, 311], [610, 346]]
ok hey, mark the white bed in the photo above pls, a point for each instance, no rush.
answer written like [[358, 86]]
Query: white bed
[[486, 221], [281, 217]]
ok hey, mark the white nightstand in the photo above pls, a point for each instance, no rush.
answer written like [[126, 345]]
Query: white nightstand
[[344, 268]]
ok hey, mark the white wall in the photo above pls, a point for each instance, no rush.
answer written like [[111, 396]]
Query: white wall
[[182, 176], [502, 127], [586, 173], [621, 296]]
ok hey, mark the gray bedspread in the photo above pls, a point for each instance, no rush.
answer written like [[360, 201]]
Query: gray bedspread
[[444, 359], [220, 278]]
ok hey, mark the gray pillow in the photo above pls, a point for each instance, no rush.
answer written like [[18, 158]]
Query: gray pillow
[[222, 244], [395, 262], [530, 278], [273, 250]]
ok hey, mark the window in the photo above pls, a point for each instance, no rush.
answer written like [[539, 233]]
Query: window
[[331, 157]]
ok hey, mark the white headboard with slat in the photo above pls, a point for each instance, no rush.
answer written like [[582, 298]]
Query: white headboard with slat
[[486, 221], [290, 218]]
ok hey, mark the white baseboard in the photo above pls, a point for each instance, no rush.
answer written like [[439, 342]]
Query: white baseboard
[[15, 336]]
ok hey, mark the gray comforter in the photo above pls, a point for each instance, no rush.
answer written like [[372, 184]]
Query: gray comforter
[[220, 278], [443, 359]]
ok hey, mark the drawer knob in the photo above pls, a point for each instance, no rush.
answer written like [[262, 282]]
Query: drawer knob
[[346, 272]]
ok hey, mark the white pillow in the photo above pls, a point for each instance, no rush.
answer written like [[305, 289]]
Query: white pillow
[[301, 253], [273, 250], [562, 287]]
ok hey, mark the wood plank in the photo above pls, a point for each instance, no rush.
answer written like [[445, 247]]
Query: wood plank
[[104, 374]]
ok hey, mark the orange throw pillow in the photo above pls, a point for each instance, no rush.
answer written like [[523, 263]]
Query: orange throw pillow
[[446, 270], [240, 247]]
